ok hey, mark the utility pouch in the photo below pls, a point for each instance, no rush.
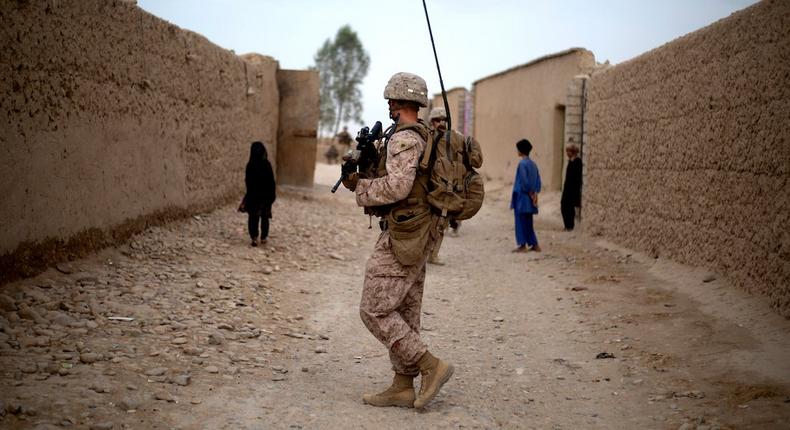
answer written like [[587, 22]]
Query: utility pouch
[[409, 233]]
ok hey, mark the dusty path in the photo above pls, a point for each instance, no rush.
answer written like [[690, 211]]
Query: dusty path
[[229, 336]]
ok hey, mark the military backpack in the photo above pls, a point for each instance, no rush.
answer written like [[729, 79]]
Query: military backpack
[[455, 189]]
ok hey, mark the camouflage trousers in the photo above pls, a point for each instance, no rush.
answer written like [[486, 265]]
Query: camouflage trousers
[[392, 302]]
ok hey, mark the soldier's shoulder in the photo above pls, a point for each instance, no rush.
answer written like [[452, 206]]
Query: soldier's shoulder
[[403, 140]]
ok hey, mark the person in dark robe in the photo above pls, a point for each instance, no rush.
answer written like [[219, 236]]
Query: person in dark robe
[[572, 188], [524, 199], [261, 192]]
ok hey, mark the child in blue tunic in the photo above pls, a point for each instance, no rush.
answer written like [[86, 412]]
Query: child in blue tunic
[[524, 200]]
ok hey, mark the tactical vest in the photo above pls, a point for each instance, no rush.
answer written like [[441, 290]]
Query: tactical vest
[[409, 220], [417, 200]]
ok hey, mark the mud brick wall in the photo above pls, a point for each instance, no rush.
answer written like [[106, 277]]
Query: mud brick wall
[[298, 130], [527, 101], [111, 118], [688, 151]]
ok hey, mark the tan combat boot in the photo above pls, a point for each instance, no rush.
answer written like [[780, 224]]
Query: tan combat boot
[[400, 393], [435, 373]]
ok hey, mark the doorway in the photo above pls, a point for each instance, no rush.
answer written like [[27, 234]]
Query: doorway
[[558, 147]]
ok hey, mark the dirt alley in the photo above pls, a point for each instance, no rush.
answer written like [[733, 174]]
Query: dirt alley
[[215, 334]]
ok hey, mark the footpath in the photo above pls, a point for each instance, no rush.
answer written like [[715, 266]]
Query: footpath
[[188, 327]]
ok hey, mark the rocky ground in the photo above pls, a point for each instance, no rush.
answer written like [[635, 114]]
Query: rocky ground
[[188, 327]]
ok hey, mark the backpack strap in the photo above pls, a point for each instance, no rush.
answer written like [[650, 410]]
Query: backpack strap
[[467, 150]]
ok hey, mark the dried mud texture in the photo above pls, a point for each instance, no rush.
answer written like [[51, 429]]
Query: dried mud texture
[[110, 114], [297, 133], [686, 154]]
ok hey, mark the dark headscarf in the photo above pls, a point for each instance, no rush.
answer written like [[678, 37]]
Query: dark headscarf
[[257, 154]]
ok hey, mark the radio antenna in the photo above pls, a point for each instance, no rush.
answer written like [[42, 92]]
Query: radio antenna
[[438, 69]]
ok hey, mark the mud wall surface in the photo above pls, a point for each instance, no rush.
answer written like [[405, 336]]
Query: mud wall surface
[[110, 116], [524, 102], [687, 154], [298, 130]]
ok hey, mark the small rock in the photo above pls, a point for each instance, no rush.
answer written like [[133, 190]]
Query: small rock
[[38, 341], [7, 303], [320, 350], [191, 350], [86, 281], [165, 396], [337, 257], [65, 268], [60, 318], [180, 341], [28, 368], [156, 371], [499, 319], [100, 389], [28, 410], [130, 403], [603, 355], [14, 408], [710, 277], [91, 357], [30, 314], [216, 339], [694, 394], [296, 335], [182, 380], [212, 369]]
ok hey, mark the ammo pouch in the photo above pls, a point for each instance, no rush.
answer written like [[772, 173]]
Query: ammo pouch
[[409, 230]]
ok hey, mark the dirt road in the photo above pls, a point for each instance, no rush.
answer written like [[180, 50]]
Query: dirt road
[[189, 327]]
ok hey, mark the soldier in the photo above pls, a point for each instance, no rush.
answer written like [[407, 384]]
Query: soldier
[[344, 140], [438, 119], [392, 290]]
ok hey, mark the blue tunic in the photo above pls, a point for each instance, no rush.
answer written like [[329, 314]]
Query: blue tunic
[[527, 181]]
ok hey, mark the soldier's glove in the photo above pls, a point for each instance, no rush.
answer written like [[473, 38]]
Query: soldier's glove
[[348, 168], [350, 181]]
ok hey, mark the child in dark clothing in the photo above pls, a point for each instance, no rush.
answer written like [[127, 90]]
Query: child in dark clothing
[[261, 192]]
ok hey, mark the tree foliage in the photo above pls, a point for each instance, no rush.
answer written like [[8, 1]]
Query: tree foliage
[[342, 64]]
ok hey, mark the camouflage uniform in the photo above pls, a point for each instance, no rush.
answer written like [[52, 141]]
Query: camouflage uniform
[[392, 292]]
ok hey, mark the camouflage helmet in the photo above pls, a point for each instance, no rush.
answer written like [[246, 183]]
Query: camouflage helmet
[[437, 112], [407, 86]]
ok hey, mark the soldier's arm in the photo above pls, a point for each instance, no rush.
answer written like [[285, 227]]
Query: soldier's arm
[[403, 154]]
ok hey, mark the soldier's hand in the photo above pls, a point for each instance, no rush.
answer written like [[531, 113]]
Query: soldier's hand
[[348, 168], [350, 181]]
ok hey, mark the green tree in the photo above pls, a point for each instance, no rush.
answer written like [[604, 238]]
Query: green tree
[[342, 64]]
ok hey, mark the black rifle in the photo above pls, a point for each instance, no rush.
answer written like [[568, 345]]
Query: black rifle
[[364, 157]]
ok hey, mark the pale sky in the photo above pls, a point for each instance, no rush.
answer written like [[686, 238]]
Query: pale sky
[[474, 38]]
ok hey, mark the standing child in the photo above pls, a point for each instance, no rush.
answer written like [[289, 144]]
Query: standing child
[[261, 192], [524, 200]]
